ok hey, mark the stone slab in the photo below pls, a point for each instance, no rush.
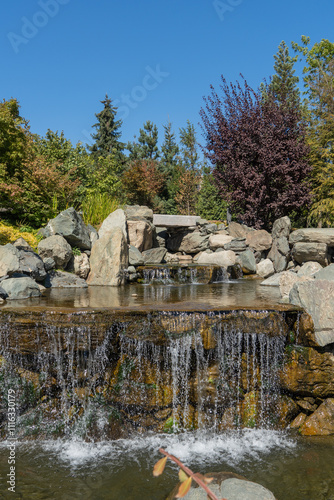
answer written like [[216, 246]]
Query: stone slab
[[312, 234], [175, 220]]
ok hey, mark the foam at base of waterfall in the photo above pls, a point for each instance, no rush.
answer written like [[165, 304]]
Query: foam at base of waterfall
[[194, 449]]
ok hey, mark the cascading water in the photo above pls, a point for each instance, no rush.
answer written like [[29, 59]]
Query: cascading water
[[168, 372]]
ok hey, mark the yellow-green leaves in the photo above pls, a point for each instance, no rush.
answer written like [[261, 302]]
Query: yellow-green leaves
[[159, 467], [184, 488], [182, 476]]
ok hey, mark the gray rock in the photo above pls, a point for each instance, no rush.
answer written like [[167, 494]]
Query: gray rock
[[21, 244], [247, 262], [265, 268], [138, 211], [49, 263], [115, 219], [9, 259], [62, 279], [176, 220], [282, 245], [57, 248], [135, 256], [310, 269], [109, 259], [273, 280], [3, 293], [259, 240], [188, 242], [238, 230], [225, 258], [326, 273], [281, 227], [154, 255], [279, 259], [32, 265], [236, 245], [315, 235], [237, 489], [131, 269], [70, 225], [287, 280], [316, 297], [20, 288], [305, 252]]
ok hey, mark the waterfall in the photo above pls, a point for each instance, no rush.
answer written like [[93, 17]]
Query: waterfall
[[105, 377]]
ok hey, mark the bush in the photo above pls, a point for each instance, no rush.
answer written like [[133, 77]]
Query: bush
[[97, 206]]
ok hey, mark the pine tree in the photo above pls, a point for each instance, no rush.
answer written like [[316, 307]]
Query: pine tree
[[147, 146], [209, 204], [107, 133], [283, 85], [169, 149], [189, 145]]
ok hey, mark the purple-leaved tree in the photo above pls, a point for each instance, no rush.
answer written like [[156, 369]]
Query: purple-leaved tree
[[258, 150]]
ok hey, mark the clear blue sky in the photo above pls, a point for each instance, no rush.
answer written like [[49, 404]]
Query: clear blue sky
[[156, 57]]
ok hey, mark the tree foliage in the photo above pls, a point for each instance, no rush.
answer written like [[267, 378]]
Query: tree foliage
[[210, 205], [143, 182], [283, 85], [259, 153], [147, 146]]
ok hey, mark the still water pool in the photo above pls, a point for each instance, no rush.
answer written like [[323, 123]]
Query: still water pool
[[294, 468]]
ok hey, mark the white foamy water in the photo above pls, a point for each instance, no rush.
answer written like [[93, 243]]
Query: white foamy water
[[191, 448]]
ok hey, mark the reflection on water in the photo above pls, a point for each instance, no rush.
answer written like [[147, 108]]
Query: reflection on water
[[246, 294], [293, 468]]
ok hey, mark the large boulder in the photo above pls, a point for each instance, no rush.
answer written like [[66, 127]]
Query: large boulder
[[109, 259], [315, 252], [316, 298], [259, 240], [62, 279], [115, 219], [218, 240], [313, 235], [224, 258], [9, 259], [140, 234], [281, 228], [272, 280], [57, 248], [154, 255], [189, 242], [321, 422], [20, 288], [70, 225], [247, 262], [133, 211]]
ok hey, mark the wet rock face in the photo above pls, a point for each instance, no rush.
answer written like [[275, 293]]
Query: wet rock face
[[321, 422], [308, 373]]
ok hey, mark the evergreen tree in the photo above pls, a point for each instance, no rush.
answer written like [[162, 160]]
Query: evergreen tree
[[283, 85], [107, 133], [189, 145], [147, 146], [210, 204], [169, 149]]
